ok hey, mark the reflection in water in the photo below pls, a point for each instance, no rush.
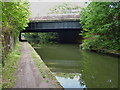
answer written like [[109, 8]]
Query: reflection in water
[[99, 70], [75, 68], [70, 80]]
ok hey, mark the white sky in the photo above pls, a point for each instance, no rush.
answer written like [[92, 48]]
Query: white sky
[[58, 0], [42, 8]]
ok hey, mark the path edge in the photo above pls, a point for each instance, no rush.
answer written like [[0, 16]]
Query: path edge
[[46, 69]]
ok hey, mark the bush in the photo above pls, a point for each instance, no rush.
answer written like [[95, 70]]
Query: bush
[[100, 22]]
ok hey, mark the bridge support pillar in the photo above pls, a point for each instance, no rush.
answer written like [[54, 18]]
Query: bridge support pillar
[[20, 38]]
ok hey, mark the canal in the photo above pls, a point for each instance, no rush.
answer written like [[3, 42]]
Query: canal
[[76, 68]]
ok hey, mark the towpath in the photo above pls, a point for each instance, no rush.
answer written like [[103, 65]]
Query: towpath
[[28, 75]]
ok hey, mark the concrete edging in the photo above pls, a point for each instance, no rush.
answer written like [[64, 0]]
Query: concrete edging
[[46, 69]]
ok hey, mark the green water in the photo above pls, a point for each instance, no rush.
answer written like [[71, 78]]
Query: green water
[[76, 68]]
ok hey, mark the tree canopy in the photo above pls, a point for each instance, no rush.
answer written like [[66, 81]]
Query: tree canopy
[[15, 14], [101, 23], [14, 19]]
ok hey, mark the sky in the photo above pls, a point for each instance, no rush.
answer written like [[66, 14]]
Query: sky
[[58, 0], [42, 8]]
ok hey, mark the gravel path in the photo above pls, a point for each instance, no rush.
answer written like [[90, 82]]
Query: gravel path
[[28, 75]]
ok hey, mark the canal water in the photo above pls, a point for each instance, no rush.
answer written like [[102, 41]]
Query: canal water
[[76, 68]]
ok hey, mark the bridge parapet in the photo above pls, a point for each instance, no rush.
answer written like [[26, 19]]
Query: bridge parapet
[[54, 23], [55, 18]]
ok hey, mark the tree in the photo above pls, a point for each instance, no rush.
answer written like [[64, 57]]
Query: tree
[[15, 14], [14, 19], [100, 21]]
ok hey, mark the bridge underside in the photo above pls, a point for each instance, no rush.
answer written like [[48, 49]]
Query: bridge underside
[[65, 29], [50, 30], [64, 35]]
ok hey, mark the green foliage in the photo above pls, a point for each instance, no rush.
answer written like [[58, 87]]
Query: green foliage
[[8, 71], [0, 14], [14, 19], [37, 38], [100, 22], [15, 14], [39, 64]]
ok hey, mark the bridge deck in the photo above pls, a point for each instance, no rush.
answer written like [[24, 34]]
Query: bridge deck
[[52, 26], [50, 30]]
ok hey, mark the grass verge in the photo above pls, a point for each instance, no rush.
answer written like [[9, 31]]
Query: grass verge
[[8, 70], [39, 64], [45, 71]]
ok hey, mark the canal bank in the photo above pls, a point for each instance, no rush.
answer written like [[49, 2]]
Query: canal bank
[[107, 52], [32, 72]]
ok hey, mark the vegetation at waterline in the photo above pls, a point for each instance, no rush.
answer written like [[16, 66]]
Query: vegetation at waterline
[[37, 38], [101, 25], [8, 71], [38, 63], [14, 19], [45, 71]]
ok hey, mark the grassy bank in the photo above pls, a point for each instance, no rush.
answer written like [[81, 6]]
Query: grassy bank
[[8, 70], [108, 52], [45, 71]]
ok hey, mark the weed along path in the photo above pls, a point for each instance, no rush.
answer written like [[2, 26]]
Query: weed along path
[[28, 74]]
